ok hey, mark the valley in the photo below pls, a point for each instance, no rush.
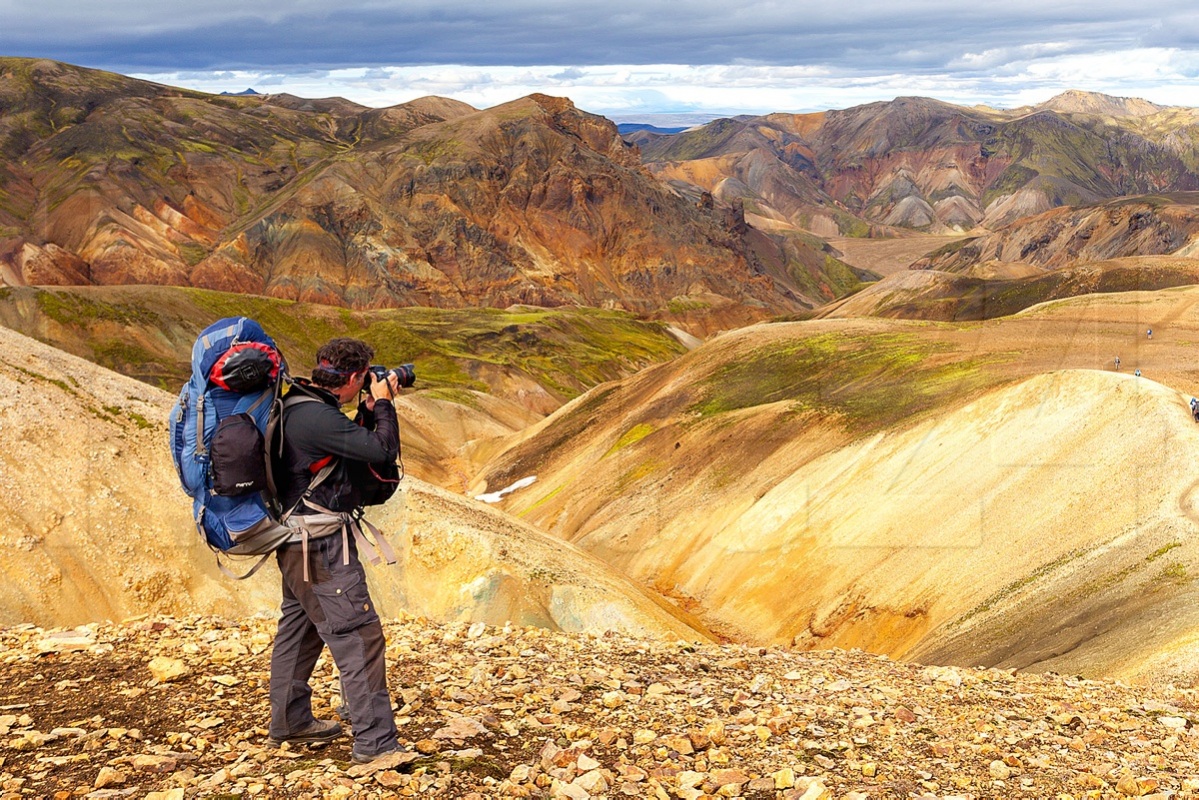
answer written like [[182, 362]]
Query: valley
[[839, 380]]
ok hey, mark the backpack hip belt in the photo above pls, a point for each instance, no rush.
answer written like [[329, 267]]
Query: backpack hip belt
[[325, 522]]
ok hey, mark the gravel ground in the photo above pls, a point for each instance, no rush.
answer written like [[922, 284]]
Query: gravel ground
[[524, 712]]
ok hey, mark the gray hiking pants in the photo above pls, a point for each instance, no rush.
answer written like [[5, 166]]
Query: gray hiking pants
[[334, 609]]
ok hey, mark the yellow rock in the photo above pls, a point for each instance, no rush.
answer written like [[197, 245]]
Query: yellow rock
[[166, 669]]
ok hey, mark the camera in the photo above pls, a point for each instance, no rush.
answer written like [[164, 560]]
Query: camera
[[405, 373]]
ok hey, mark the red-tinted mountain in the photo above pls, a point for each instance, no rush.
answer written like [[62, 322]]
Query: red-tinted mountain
[[920, 163], [108, 180]]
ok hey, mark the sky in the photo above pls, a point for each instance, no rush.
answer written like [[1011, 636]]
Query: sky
[[631, 59]]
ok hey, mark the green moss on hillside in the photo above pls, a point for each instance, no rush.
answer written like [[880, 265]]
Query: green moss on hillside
[[1009, 181], [72, 308], [631, 436], [870, 381], [147, 333]]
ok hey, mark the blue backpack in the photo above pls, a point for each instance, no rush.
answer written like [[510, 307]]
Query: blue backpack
[[220, 427]]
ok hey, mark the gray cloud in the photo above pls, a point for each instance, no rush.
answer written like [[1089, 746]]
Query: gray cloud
[[870, 37]]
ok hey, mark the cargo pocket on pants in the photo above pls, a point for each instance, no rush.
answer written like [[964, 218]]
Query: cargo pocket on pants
[[346, 602]]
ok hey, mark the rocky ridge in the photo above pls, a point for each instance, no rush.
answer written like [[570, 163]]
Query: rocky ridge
[[919, 163], [168, 707], [1066, 237]]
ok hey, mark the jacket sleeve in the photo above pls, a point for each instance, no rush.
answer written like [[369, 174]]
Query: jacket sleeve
[[340, 436]]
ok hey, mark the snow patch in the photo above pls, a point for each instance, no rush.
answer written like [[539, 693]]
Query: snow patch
[[495, 497]]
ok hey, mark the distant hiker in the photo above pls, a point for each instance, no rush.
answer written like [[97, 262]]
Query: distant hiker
[[1117, 363], [1149, 333], [1195, 408], [1137, 373], [325, 596]]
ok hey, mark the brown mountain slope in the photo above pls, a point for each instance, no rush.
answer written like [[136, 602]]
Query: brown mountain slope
[[532, 357], [114, 180], [887, 485], [919, 163], [94, 526], [531, 202], [1143, 225], [427, 203], [1077, 102]]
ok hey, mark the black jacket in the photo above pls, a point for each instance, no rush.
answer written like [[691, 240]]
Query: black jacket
[[314, 431]]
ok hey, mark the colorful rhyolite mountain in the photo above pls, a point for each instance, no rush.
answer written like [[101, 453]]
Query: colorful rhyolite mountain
[[109, 180]]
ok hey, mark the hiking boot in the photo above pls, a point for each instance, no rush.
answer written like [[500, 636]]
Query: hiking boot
[[319, 732], [399, 750]]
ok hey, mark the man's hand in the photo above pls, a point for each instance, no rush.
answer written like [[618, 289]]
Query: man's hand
[[381, 390]]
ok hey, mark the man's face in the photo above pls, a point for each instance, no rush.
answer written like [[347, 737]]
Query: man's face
[[352, 387]]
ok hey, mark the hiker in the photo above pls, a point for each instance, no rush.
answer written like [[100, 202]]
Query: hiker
[[1149, 333], [1195, 408], [1137, 373], [325, 597], [1117, 363]]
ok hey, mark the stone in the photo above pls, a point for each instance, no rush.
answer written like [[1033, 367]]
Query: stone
[[108, 777], [151, 763], [569, 791], [166, 669], [724, 777], [679, 744], [65, 642], [392, 761], [593, 781], [1128, 785], [390, 779], [815, 790], [612, 699], [461, 728]]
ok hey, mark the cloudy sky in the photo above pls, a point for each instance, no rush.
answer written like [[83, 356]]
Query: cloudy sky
[[630, 58]]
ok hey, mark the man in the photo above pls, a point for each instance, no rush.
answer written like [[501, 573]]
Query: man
[[325, 596]]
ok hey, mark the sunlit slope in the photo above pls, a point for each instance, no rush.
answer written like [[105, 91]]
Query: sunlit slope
[[93, 524], [885, 484], [1012, 287]]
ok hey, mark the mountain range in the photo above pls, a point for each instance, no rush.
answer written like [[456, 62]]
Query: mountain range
[[918, 163], [108, 180]]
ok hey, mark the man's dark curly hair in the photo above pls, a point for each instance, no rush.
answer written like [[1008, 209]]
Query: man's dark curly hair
[[340, 358]]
